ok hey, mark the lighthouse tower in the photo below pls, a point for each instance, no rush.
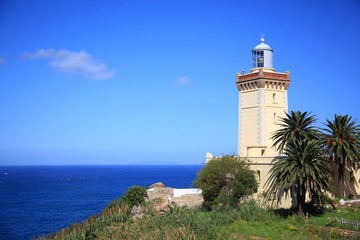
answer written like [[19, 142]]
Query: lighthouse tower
[[262, 100]]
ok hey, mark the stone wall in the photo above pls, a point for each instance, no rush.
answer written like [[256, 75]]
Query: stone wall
[[190, 197]]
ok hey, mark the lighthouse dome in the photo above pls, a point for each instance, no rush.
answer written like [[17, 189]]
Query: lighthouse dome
[[263, 46]]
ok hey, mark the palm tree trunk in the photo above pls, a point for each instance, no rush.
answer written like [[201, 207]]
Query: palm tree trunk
[[301, 192], [341, 169]]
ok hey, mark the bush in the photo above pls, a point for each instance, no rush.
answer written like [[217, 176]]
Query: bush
[[244, 184], [135, 196], [225, 180], [331, 223]]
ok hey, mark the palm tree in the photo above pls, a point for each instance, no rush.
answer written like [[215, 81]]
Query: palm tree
[[295, 125], [342, 145], [302, 167]]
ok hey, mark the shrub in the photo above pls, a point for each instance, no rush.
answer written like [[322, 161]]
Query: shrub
[[250, 211], [225, 180], [244, 184], [331, 223], [175, 209], [135, 196]]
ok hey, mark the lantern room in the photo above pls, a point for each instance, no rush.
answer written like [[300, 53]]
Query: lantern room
[[262, 56]]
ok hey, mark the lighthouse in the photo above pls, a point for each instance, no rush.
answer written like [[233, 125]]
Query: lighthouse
[[262, 100]]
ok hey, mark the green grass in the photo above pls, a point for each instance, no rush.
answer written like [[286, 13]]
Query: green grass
[[292, 227], [282, 228], [247, 221], [350, 215]]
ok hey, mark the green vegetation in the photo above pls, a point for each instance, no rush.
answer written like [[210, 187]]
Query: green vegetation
[[246, 221], [244, 185], [302, 169], [117, 211], [92, 227], [225, 181], [135, 196], [296, 125], [342, 145], [322, 220], [175, 209]]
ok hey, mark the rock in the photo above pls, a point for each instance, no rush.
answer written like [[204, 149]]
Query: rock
[[166, 195], [158, 185], [137, 212], [160, 197]]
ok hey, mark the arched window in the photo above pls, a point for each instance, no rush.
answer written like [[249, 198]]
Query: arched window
[[274, 97], [274, 117]]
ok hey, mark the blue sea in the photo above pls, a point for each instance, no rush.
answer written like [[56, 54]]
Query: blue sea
[[35, 200]]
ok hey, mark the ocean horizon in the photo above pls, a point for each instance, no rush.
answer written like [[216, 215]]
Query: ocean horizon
[[38, 199]]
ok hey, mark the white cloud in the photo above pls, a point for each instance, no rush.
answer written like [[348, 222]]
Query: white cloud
[[80, 63], [182, 82], [2, 60]]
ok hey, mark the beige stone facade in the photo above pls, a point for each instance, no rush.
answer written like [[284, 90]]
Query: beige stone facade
[[262, 100]]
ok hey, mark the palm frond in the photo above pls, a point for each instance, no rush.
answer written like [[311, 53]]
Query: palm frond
[[295, 125]]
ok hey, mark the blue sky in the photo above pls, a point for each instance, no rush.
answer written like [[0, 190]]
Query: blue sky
[[153, 82]]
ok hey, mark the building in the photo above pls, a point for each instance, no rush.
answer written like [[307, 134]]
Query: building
[[262, 100]]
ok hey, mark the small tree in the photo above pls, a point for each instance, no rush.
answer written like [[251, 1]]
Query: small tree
[[244, 184], [135, 196], [226, 180]]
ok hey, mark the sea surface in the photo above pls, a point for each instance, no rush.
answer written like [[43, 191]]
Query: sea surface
[[37, 199]]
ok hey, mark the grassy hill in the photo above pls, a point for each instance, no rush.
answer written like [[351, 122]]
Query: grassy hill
[[247, 221]]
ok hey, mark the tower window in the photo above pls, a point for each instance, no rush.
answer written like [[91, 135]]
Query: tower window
[[262, 152], [274, 117], [274, 97]]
